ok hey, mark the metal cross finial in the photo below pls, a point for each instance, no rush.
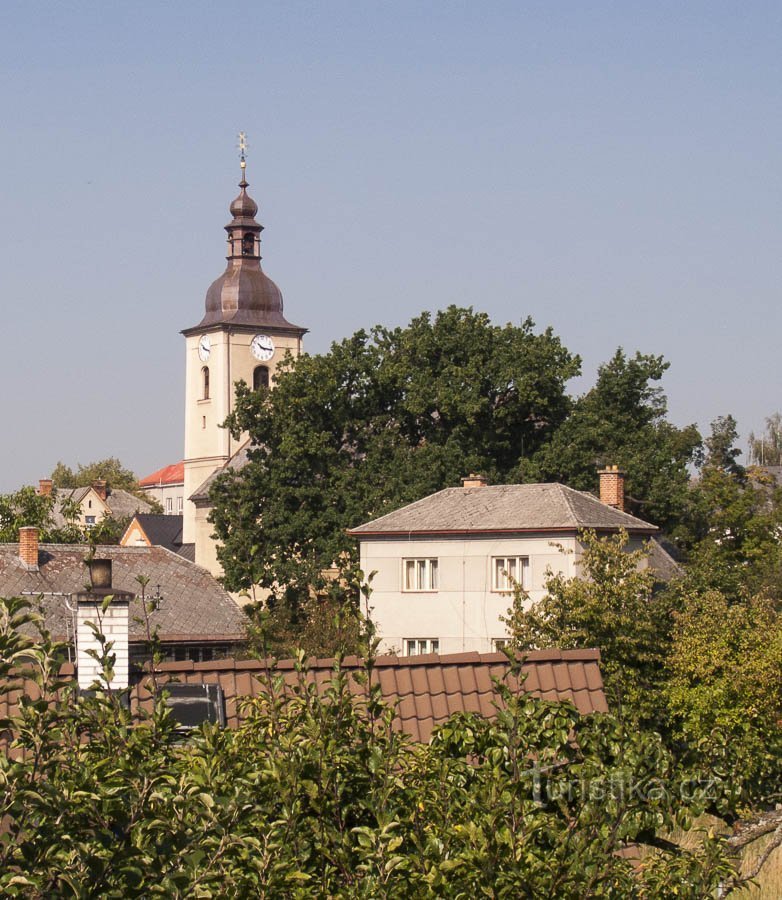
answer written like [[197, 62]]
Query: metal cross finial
[[242, 146]]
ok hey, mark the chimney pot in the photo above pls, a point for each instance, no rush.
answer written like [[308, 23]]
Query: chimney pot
[[100, 488], [45, 486], [28, 546], [612, 487], [474, 481], [100, 572]]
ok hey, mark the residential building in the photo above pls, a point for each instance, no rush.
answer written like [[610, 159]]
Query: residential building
[[92, 503], [166, 487], [444, 568], [195, 618], [151, 530]]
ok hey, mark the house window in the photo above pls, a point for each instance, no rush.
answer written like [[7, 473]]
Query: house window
[[205, 385], [500, 643], [179, 505], [418, 646], [89, 521], [509, 571], [260, 377], [420, 574], [169, 505]]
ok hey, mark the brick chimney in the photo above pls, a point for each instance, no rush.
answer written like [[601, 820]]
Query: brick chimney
[[113, 623], [612, 487], [45, 486], [28, 546], [474, 481], [99, 487]]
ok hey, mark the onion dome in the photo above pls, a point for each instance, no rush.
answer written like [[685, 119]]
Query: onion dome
[[244, 207], [244, 294]]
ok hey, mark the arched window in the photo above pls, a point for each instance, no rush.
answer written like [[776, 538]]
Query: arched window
[[205, 379], [260, 377], [248, 244]]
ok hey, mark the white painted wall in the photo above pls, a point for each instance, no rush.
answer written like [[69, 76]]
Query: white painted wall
[[464, 613]]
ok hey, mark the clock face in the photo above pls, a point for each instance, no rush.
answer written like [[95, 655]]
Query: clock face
[[262, 347], [204, 347]]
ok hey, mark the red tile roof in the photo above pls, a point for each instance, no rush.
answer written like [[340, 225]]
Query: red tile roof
[[426, 690], [174, 474]]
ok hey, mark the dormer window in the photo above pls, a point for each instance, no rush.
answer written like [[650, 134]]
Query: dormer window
[[205, 383], [248, 244]]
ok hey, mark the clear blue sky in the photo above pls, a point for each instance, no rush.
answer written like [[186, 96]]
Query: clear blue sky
[[610, 169]]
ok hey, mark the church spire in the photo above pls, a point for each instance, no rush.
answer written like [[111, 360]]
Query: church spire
[[244, 233]]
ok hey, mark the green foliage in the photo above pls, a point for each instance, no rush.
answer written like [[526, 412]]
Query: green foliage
[[384, 418], [734, 530], [611, 605], [724, 692], [26, 507], [766, 449], [721, 450], [109, 470], [318, 795], [621, 421], [325, 624]]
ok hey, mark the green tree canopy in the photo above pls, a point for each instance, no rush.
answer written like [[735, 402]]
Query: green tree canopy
[[110, 470], [724, 690], [766, 449], [610, 605], [318, 795], [621, 421], [382, 419]]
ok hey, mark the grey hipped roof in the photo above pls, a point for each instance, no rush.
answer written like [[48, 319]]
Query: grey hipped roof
[[235, 463], [195, 607], [504, 508]]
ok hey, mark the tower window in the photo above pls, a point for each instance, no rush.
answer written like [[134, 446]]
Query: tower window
[[260, 377], [205, 382], [248, 244]]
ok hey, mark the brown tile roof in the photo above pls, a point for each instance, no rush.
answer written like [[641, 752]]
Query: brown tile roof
[[503, 508], [194, 608], [425, 689]]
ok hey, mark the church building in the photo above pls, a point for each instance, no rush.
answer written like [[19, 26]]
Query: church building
[[243, 335]]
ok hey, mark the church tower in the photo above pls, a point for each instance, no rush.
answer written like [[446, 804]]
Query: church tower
[[242, 336]]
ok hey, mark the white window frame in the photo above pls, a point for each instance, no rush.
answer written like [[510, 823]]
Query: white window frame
[[505, 583], [420, 646], [425, 573], [169, 505], [500, 644], [180, 502]]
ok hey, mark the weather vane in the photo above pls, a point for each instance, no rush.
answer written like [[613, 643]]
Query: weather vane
[[242, 147]]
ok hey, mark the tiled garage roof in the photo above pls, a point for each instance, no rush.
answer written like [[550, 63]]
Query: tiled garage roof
[[425, 689]]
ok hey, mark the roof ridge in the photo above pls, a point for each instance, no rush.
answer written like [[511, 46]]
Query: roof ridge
[[565, 495]]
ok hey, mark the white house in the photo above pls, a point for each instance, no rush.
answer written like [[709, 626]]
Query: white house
[[445, 565]]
